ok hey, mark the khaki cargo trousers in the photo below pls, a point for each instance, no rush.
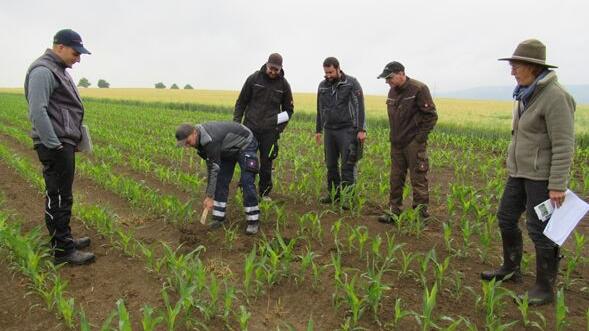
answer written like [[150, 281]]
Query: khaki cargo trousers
[[412, 157]]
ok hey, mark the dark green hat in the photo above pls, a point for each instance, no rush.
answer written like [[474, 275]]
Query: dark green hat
[[530, 51]]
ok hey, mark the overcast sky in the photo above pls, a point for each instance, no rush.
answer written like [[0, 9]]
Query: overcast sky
[[448, 45]]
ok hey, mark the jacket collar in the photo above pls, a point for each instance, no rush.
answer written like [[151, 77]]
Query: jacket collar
[[55, 58]]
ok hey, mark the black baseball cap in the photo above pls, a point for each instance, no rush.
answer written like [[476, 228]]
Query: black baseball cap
[[391, 68], [70, 38], [182, 133]]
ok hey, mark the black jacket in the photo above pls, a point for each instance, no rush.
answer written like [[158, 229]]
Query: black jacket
[[261, 100], [340, 105]]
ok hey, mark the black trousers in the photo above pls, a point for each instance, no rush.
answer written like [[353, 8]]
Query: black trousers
[[339, 171], [265, 141], [58, 171], [521, 195]]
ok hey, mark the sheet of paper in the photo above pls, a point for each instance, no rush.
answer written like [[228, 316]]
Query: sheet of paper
[[85, 146], [282, 117], [565, 219]]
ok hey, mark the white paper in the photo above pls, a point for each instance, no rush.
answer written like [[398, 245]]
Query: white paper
[[565, 219], [544, 210], [85, 146], [282, 117]]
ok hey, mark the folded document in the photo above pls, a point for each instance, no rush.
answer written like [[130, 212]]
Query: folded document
[[564, 219]]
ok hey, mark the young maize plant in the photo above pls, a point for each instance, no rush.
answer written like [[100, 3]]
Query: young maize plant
[[243, 318], [523, 307], [562, 311], [492, 300], [149, 322]]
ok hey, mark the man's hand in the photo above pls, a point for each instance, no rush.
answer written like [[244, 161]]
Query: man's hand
[[361, 136], [208, 203], [318, 138], [556, 197]]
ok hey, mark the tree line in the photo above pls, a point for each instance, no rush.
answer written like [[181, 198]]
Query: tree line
[[84, 82]]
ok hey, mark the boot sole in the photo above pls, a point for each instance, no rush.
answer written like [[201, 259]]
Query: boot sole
[[75, 263]]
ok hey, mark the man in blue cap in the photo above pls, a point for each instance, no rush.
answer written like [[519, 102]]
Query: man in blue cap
[[56, 112]]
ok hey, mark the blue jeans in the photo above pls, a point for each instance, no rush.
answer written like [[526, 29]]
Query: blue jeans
[[248, 185]]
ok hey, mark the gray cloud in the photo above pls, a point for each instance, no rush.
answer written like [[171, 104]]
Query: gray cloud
[[216, 44]]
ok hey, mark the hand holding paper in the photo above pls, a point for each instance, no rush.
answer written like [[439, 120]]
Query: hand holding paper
[[565, 219]]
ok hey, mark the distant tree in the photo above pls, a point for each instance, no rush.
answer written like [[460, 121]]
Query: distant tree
[[188, 87], [84, 82], [103, 84], [174, 86], [160, 85]]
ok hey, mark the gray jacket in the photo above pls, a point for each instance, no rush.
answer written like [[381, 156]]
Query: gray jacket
[[55, 107], [219, 141], [543, 141]]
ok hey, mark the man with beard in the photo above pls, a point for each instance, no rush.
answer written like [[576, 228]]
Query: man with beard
[[340, 117], [265, 106]]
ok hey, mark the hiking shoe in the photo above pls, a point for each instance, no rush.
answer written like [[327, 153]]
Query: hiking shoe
[[75, 257], [252, 228], [215, 224], [82, 243], [389, 216]]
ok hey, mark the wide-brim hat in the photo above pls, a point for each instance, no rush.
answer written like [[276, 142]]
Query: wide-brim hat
[[530, 51]]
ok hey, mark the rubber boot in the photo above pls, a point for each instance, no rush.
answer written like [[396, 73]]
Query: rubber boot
[[512, 257], [547, 260]]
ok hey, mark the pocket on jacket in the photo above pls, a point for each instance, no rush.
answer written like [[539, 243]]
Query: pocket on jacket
[[277, 96]]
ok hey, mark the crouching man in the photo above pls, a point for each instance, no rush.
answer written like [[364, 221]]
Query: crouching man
[[222, 144]]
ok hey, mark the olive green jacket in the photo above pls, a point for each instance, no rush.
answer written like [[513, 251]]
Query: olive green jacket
[[543, 138]]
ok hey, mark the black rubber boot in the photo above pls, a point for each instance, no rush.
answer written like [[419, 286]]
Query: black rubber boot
[[512, 257], [547, 260]]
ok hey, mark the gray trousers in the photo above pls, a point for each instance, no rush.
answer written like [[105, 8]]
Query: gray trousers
[[339, 171]]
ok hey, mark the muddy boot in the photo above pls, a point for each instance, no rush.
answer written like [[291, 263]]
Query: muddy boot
[[75, 257], [547, 260], [252, 227], [389, 216], [512, 256], [82, 243]]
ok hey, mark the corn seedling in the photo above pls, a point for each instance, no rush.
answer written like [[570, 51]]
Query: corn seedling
[[124, 318], [523, 307], [149, 322], [171, 312], [229, 298], [561, 311], [244, 317], [427, 320], [493, 295]]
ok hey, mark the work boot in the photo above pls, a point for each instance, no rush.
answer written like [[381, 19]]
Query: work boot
[[252, 227], [216, 224], [389, 216], [82, 243], [423, 213], [512, 257], [75, 257], [547, 260], [327, 199]]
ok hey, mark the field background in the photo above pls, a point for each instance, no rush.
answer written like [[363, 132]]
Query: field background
[[139, 198], [483, 114]]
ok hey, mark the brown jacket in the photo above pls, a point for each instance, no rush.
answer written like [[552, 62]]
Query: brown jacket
[[412, 113]]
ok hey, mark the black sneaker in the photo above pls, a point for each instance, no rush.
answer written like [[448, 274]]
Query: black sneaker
[[75, 257], [82, 243], [252, 228]]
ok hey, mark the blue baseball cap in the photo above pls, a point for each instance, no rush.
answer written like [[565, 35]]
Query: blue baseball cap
[[70, 38]]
